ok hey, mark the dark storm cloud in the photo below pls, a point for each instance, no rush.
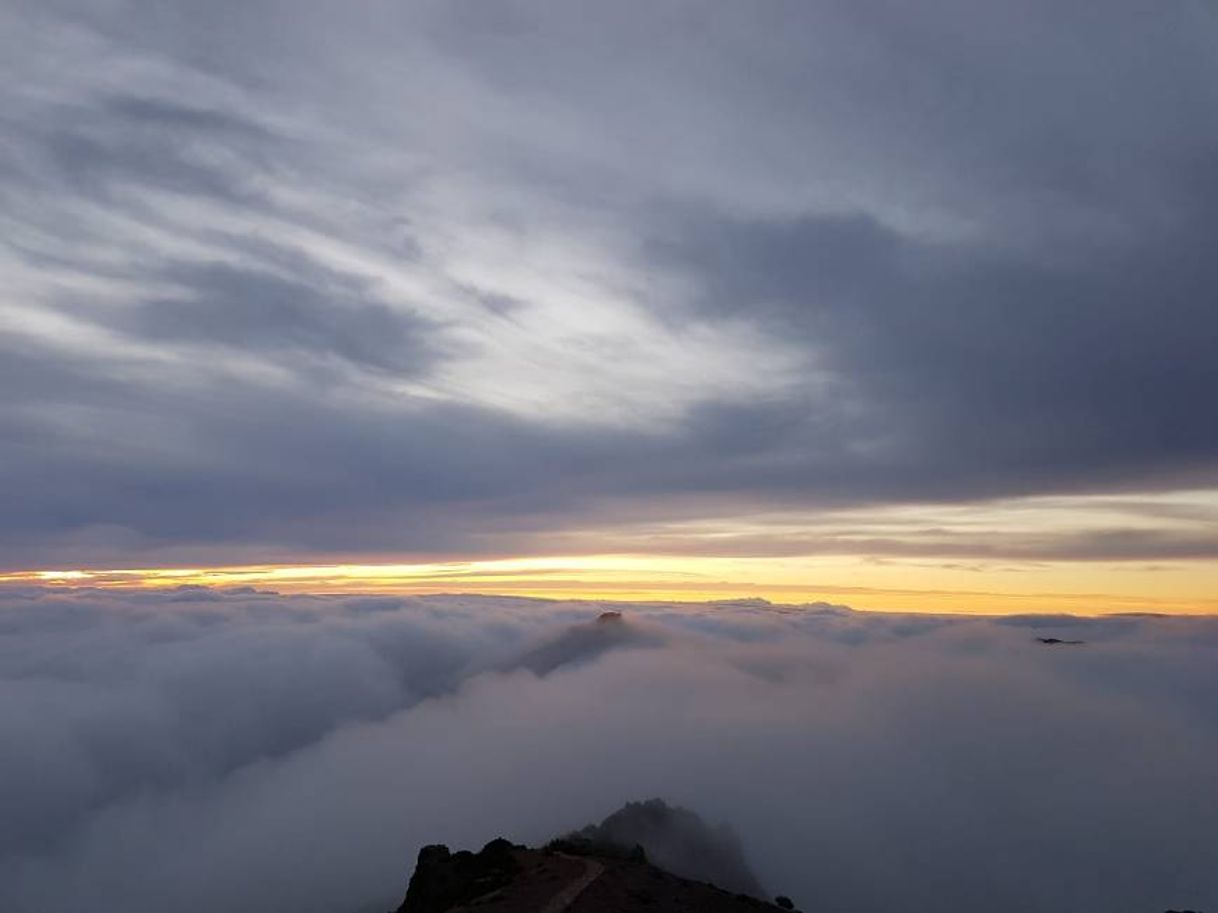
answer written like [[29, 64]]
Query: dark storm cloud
[[231, 472], [248, 751], [167, 115], [421, 276], [988, 371], [92, 146], [256, 312]]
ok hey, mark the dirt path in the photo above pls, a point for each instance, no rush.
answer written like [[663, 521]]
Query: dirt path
[[567, 896]]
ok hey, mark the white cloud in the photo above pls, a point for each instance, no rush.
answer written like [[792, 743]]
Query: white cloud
[[404, 194], [203, 751]]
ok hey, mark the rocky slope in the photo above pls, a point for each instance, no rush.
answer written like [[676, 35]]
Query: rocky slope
[[507, 878], [648, 856]]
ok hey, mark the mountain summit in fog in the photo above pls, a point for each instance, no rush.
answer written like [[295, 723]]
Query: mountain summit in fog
[[675, 839], [647, 856]]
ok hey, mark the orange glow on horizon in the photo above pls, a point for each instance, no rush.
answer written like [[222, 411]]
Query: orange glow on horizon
[[890, 587]]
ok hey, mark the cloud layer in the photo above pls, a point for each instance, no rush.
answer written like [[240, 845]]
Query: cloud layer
[[284, 278], [244, 751]]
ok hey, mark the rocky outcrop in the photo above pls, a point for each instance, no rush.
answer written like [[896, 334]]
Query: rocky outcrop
[[647, 856], [585, 642], [551, 881], [444, 880]]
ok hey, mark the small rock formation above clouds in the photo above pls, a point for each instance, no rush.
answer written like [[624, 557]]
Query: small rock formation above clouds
[[585, 642]]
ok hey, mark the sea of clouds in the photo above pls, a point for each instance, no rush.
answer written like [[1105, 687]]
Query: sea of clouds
[[250, 752]]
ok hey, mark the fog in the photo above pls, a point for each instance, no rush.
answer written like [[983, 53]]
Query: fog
[[239, 751]]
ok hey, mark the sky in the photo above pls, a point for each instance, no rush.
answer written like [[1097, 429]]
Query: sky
[[909, 306], [221, 749]]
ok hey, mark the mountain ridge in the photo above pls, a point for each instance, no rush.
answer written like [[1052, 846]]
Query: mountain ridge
[[646, 856]]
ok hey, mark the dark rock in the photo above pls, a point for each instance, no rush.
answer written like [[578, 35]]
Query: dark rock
[[442, 880], [584, 642], [505, 878], [785, 902]]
